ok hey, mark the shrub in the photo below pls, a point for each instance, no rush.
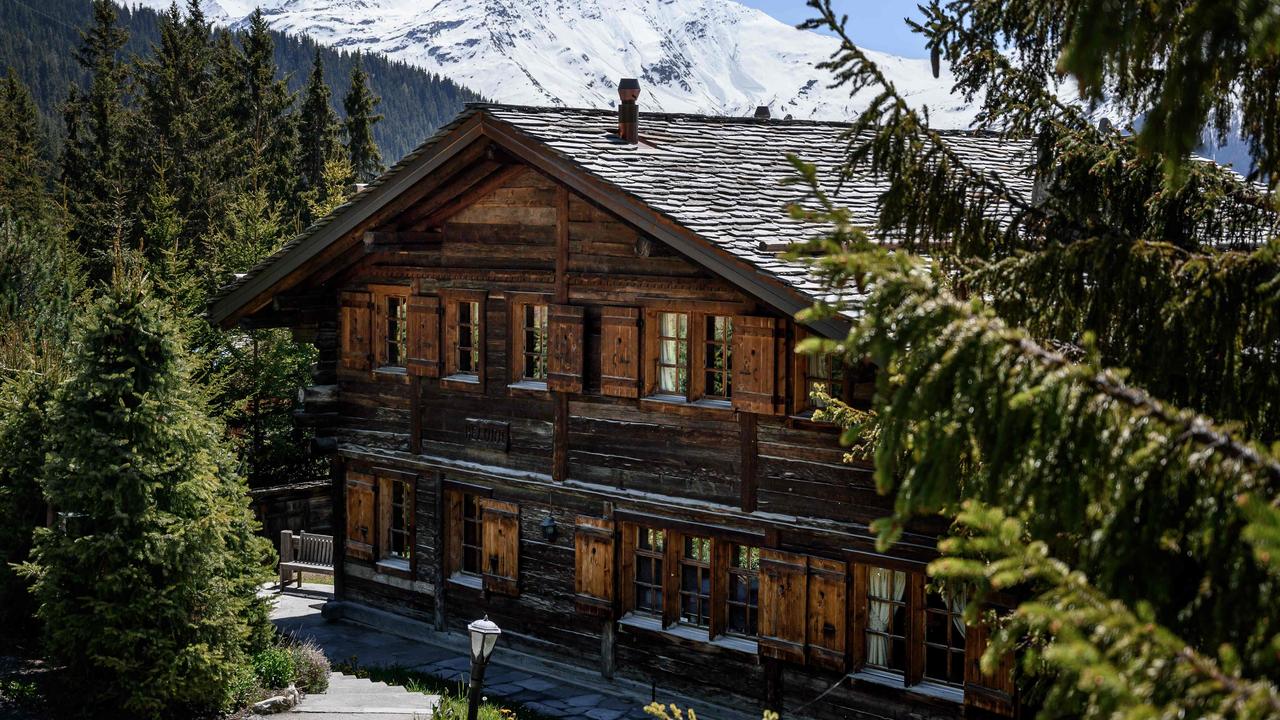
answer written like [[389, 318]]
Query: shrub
[[311, 665], [244, 689], [274, 667]]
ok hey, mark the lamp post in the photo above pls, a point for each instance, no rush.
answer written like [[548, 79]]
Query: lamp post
[[484, 636]]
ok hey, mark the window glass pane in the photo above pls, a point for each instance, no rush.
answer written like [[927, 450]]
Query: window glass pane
[[824, 375], [397, 329], [401, 522], [718, 367], [469, 339], [744, 589], [886, 619], [650, 545], [534, 324], [673, 353], [471, 535], [695, 582], [944, 638]]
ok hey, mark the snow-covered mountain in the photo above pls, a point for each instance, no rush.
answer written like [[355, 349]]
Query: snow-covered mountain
[[708, 56]]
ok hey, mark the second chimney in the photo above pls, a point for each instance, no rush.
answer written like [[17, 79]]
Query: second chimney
[[762, 112], [628, 110]]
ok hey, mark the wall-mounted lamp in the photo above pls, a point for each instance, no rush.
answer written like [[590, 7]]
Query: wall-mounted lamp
[[549, 529]]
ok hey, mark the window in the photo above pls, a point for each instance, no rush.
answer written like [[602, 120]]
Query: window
[[468, 348], [650, 553], [718, 339], [743, 597], [464, 335], [399, 513], [472, 536], [944, 635], [673, 354], [887, 620], [530, 340], [391, 332], [824, 375], [695, 582]]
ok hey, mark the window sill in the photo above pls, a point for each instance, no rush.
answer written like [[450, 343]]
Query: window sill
[[681, 404], [472, 582], [537, 387], [462, 381], [884, 678], [737, 644], [653, 623], [927, 688], [391, 370], [393, 564], [939, 691]]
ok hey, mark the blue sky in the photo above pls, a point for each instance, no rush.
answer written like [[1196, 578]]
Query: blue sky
[[874, 24]]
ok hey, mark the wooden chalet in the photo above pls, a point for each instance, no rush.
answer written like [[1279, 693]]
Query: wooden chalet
[[558, 381]]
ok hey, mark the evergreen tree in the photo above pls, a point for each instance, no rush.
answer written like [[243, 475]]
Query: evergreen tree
[[24, 175], [317, 136], [1142, 532], [359, 104], [148, 585], [93, 171]]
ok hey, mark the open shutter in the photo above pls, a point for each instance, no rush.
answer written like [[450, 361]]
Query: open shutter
[[991, 692], [453, 532], [627, 567], [783, 602], [501, 547], [754, 359], [424, 336], [620, 351], [357, 331], [593, 555], [564, 352], [828, 590], [360, 513]]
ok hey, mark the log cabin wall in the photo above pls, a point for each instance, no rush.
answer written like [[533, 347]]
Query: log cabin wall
[[770, 479]]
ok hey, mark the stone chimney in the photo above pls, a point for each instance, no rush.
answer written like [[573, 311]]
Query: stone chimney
[[762, 112], [628, 110]]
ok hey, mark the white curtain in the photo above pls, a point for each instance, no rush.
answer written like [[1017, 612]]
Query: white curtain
[[671, 326], [958, 604], [884, 584]]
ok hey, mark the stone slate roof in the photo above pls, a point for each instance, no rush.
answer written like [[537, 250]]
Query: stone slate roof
[[721, 178]]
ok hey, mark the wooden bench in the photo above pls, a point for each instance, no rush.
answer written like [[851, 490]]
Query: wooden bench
[[304, 552]]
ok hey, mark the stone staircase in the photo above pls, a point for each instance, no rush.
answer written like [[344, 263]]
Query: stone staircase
[[352, 697]]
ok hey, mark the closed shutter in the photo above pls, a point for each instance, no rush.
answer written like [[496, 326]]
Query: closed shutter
[[593, 555], [453, 501], [357, 331], [620, 351], [754, 358], [992, 692], [424, 336], [501, 547], [828, 592], [783, 579], [564, 351], [360, 513]]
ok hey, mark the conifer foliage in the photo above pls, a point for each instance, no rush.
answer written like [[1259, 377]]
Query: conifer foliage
[[147, 584], [1084, 375], [359, 104]]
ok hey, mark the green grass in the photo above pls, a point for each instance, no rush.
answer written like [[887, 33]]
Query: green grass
[[453, 695]]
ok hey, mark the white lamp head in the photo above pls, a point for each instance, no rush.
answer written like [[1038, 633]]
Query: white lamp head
[[484, 636]]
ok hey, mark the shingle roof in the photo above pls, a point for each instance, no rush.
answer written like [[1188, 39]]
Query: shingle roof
[[721, 178]]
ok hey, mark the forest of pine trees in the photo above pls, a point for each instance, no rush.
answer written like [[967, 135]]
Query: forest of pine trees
[[39, 41]]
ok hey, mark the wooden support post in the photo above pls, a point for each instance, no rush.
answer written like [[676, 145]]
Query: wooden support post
[[560, 436], [338, 479], [608, 636], [437, 539], [772, 683], [750, 452], [415, 415]]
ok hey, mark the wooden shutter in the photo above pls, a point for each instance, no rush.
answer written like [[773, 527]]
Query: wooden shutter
[[991, 692], [501, 546], [620, 351], [357, 331], [627, 567], [361, 502], [783, 602], [828, 590], [754, 358], [593, 555], [453, 503], [424, 336], [564, 349]]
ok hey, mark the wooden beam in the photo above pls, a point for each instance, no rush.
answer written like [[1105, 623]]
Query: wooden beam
[[560, 439], [562, 244], [375, 240], [415, 416], [750, 451], [471, 186]]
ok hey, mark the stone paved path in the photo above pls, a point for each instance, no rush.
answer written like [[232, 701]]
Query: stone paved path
[[298, 612], [352, 697]]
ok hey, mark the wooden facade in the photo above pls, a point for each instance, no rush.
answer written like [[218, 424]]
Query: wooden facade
[[550, 414]]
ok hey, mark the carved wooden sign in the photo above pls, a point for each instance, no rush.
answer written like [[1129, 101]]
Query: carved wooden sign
[[494, 434]]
